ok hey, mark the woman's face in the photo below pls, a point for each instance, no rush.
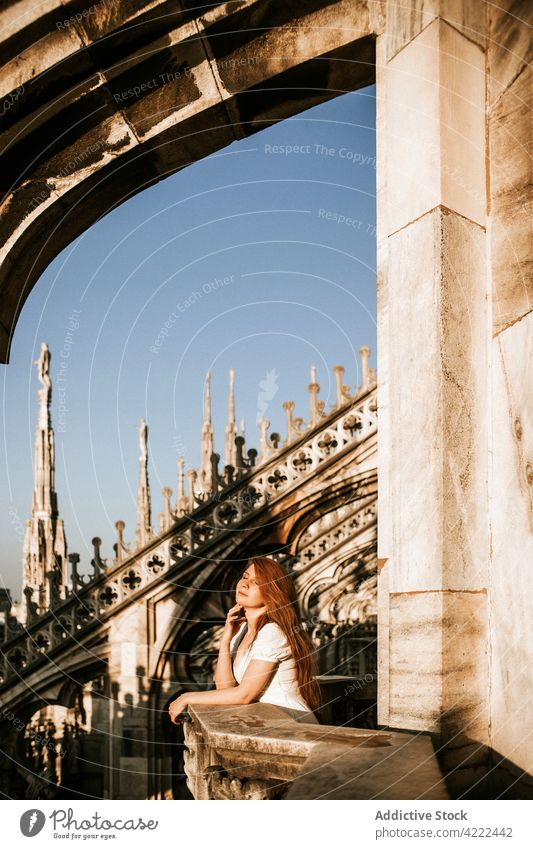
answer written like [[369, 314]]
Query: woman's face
[[248, 592]]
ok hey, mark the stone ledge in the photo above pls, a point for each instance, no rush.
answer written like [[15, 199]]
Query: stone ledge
[[258, 751]]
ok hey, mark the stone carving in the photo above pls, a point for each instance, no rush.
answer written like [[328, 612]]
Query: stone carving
[[43, 365], [222, 785], [207, 779]]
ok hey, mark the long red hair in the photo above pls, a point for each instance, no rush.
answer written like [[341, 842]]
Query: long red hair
[[281, 601]]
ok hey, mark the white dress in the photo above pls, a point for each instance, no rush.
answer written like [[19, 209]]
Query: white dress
[[271, 644]]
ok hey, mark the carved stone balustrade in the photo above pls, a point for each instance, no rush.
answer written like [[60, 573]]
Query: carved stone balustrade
[[258, 751]]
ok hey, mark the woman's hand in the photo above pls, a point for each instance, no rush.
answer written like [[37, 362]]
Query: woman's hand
[[234, 619], [178, 706]]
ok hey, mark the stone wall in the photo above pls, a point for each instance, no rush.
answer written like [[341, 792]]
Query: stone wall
[[509, 120], [455, 413]]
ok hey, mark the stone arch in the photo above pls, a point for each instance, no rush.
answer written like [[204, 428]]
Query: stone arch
[[45, 746], [104, 104]]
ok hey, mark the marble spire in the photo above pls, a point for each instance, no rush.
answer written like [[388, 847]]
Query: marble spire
[[230, 449], [44, 547], [143, 530], [317, 406], [205, 482], [182, 501]]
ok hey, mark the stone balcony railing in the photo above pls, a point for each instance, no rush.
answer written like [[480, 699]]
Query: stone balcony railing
[[258, 751]]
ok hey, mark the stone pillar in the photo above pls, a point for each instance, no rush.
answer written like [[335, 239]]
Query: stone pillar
[[128, 705], [433, 338]]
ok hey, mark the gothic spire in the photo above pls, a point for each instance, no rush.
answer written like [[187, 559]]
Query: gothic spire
[[144, 518], [206, 441], [317, 406], [182, 502], [366, 374], [44, 497], [230, 449], [44, 548]]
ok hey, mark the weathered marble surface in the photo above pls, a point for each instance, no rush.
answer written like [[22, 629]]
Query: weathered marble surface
[[405, 22], [407, 769], [258, 751], [438, 665], [436, 322], [510, 124], [435, 127], [511, 514], [433, 395], [509, 44]]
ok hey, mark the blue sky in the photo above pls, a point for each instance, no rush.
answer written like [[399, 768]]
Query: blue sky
[[260, 258]]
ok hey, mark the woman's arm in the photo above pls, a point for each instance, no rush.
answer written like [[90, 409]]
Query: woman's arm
[[224, 676], [255, 680]]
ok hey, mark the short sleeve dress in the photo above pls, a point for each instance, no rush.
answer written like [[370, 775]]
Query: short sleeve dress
[[271, 644]]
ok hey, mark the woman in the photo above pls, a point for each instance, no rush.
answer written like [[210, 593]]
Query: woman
[[265, 654]]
